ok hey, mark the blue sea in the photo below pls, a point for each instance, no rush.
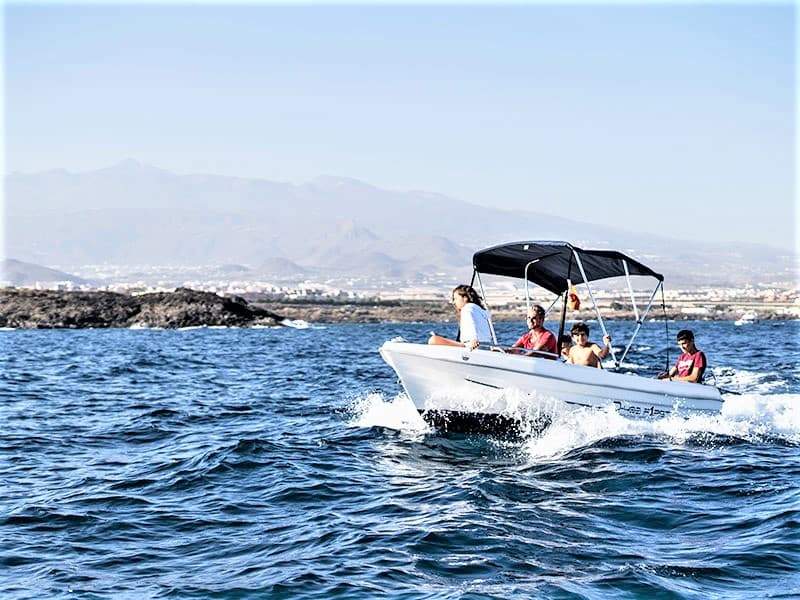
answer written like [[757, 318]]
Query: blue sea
[[287, 463]]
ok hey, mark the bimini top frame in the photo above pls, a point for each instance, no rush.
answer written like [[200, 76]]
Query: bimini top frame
[[556, 266]]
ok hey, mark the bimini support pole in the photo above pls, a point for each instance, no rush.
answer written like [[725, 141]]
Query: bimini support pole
[[639, 321], [630, 289], [562, 320], [483, 295], [594, 304], [527, 295], [564, 308], [552, 304]]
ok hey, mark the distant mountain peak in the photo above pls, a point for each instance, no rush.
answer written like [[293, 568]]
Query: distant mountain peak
[[349, 230], [128, 163], [17, 272], [280, 266], [131, 166], [333, 182]]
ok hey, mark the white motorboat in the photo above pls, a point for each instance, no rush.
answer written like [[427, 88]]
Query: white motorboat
[[461, 389]]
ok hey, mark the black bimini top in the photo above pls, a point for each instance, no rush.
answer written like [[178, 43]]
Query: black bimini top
[[556, 263]]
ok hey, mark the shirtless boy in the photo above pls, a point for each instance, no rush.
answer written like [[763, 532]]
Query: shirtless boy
[[585, 353]]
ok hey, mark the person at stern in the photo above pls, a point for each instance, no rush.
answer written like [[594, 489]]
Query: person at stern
[[473, 320], [691, 363]]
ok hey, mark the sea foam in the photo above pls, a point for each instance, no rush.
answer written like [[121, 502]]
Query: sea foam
[[398, 413], [755, 418]]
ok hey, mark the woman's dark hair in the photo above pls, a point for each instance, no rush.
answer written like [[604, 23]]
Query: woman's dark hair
[[580, 327], [685, 334], [468, 292]]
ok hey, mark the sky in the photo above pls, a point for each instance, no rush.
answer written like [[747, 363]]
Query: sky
[[672, 119]]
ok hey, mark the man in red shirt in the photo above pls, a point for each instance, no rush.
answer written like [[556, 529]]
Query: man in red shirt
[[691, 364], [538, 338]]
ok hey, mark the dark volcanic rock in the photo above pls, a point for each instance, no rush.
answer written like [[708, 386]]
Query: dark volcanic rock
[[31, 309], [187, 308], [43, 309]]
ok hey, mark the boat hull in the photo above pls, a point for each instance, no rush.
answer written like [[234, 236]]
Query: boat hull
[[446, 380]]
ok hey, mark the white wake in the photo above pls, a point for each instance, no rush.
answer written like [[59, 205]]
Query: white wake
[[757, 418], [753, 417]]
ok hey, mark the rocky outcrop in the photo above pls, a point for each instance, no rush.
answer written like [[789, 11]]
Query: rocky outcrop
[[47, 309]]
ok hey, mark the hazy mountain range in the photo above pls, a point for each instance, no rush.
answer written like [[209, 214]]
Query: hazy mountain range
[[133, 214]]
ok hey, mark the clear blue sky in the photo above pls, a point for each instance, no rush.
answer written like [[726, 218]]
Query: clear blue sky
[[671, 119]]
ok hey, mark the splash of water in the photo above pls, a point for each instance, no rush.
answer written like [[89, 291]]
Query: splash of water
[[398, 413], [296, 323], [755, 418]]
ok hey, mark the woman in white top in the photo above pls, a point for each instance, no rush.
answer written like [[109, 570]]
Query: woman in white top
[[474, 325]]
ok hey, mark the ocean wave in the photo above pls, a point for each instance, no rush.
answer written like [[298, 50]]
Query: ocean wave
[[398, 413], [296, 323], [743, 380], [753, 418]]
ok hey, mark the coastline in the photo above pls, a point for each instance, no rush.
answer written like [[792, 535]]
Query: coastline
[[49, 309], [423, 311]]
